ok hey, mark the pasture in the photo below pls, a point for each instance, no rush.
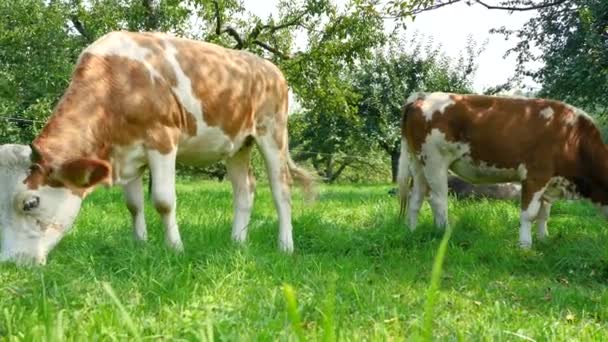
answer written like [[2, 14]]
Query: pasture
[[357, 273]]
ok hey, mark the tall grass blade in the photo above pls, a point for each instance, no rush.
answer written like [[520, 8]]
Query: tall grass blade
[[125, 315], [292, 312], [432, 294]]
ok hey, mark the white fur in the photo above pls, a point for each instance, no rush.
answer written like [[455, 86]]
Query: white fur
[[436, 144], [120, 44], [482, 172], [243, 192], [162, 171], [134, 196], [28, 236], [413, 97], [541, 220], [438, 154], [127, 162], [275, 164], [435, 103], [183, 90], [527, 217], [560, 187], [210, 145], [419, 191], [547, 113], [577, 112]]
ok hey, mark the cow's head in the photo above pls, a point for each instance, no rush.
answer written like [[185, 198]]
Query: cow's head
[[41, 202]]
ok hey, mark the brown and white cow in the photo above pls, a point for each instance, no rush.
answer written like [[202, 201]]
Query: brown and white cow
[[553, 149], [140, 100]]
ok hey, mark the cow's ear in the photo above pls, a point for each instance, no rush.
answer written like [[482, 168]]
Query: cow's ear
[[84, 173], [35, 156]]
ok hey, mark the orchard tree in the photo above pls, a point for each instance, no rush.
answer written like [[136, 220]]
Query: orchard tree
[[571, 37], [326, 131], [384, 83]]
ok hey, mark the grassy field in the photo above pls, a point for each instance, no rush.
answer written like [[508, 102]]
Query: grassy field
[[357, 274]]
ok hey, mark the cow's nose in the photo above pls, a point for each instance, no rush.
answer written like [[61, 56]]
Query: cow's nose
[[31, 203]]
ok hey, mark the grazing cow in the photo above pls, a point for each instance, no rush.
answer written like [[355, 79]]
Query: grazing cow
[[140, 100], [553, 149]]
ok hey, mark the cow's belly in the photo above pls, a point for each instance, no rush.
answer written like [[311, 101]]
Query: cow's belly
[[209, 146], [481, 172]]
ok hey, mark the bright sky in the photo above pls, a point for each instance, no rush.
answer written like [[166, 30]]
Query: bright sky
[[450, 26]]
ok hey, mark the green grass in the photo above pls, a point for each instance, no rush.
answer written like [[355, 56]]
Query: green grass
[[357, 274]]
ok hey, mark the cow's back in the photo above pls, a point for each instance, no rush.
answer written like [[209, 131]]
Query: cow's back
[[500, 131]]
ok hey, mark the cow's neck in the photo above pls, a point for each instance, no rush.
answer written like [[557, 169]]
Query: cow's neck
[[75, 130], [596, 160]]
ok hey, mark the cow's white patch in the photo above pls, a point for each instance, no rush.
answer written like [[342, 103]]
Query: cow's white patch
[[210, 145], [243, 185], [127, 162], [31, 234], [413, 97], [437, 153], [28, 234], [541, 220], [483, 172], [435, 102], [134, 196], [527, 217], [547, 113], [120, 44], [409, 166], [560, 188], [276, 167], [162, 171], [572, 118], [183, 90], [436, 148]]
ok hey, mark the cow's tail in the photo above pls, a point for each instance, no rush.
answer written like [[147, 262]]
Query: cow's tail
[[303, 178], [404, 174], [404, 177]]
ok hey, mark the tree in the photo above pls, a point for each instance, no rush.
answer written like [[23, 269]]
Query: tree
[[572, 38], [33, 64], [384, 82], [325, 131]]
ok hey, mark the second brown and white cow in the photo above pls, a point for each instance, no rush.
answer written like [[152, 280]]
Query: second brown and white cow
[[140, 100], [554, 150]]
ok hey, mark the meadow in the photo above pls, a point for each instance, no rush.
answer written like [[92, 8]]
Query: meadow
[[356, 274]]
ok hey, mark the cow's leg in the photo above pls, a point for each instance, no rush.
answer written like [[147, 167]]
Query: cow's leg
[[134, 196], [541, 220], [162, 171], [531, 201], [419, 191], [436, 174], [243, 188], [275, 155]]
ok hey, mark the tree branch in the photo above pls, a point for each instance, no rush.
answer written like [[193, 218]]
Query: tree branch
[[252, 37], [80, 28], [423, 9], [271, 49], [480, 2], [231, 31], [339, 171], [521, 9]]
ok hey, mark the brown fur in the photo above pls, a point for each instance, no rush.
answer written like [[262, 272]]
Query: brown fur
[[506, 132], [112, 101]]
